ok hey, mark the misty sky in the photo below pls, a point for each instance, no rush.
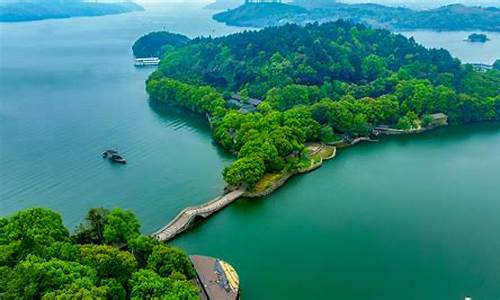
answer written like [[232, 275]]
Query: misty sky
[[413, 3], [428, 3], [410, 3]]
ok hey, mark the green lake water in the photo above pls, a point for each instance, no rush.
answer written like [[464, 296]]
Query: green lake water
[[408, 218]]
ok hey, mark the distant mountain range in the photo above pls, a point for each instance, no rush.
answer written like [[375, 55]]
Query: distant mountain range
[[450, 17], [224, 4], [56, 9]]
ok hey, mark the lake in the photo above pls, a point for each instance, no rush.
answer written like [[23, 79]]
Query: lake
[[69, 91], [453, 41], [409, 218]]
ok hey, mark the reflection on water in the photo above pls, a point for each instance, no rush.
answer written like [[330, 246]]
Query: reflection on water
[[178, 117], [170, 115]]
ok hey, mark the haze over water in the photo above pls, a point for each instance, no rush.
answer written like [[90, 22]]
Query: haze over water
[[409, 218], [453, 41]]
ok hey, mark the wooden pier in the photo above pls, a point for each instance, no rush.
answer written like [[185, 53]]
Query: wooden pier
[[188, 215]]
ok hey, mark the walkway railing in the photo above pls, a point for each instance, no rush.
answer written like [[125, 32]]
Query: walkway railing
[[184, 219]]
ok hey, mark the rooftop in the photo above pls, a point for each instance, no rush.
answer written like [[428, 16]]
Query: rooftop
[[216, 278], [251, 101], [439, 116]]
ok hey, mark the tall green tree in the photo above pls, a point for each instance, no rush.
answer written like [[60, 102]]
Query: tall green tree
[[30, 231], [166, 260], [92, 230], [109, 262], [146, 284], [34, 277], [245, 170], [120, 227]]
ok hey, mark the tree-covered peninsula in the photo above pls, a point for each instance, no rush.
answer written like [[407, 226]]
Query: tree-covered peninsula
[[450, 17], [30, 10], [106, 258], [157, 43], [317, 83]]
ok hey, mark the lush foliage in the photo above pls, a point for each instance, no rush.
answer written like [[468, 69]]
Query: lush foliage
[[155, 44], [318, 82], [39, 259], [450, 17], [30, 10]]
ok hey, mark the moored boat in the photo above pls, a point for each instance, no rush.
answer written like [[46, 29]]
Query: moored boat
[[113, 156], [147, 61]]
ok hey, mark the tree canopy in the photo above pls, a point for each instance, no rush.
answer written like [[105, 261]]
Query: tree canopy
[[316, 82], [155, 44], [40, 260]]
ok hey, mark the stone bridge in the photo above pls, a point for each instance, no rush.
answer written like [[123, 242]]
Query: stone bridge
[[188, 215]]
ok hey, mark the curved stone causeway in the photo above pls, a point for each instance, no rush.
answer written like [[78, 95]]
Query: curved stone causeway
[[190, 214], [187, 216]]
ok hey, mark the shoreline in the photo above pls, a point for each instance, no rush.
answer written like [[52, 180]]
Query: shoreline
[[318, 153], [284, 177]]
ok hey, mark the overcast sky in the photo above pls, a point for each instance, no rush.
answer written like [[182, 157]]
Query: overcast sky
[[390, 2], [412, 3], [427, 3]]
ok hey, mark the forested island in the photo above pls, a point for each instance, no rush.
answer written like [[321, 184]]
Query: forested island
[[156, 44], [106, 258], [47, 9], [268, 93], [477, 38], [450, 17]]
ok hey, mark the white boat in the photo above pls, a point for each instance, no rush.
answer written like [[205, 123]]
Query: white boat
[[147, 61]]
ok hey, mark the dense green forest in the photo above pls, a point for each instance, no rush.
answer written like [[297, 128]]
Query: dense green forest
[[451, 17], [318, 83], [106, 258], [30, 10], [155, 44]]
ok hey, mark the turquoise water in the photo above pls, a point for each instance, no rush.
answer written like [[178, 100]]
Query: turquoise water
[[69, 91], [408, 218]]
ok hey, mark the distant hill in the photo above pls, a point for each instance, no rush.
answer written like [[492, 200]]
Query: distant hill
[[224, 4], [56, 9], [314, 3], [260, 15], [450, 17]]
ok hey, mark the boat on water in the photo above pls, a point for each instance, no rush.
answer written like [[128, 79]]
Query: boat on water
[[147, 61], [114, 156]]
